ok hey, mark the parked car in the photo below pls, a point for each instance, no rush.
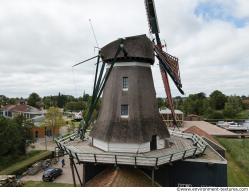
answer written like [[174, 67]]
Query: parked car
[[51, 174], [35, 168]]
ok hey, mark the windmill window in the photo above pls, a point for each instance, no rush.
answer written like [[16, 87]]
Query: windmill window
[[124, 111], [125, 83]]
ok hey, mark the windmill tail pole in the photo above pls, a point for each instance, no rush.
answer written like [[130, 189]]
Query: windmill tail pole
[[98, 89], [169, 96]]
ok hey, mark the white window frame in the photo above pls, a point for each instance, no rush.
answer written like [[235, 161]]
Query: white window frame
[[124, 116], [125, 83]]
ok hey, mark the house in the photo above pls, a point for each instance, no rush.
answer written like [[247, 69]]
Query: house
[[168, 118], [40, 129], [11, 111]]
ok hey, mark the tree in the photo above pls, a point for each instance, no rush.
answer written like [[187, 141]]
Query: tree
[[34, 100], [75, 106], [24, 128], [53, 119], [161, 102], [233, 106], [217, 100], [13, 136], [195, 104], [85, 97], [61, 100], [10, 137]]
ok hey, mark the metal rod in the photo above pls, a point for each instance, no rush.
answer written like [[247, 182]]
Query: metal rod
[[108, 72], [92, 105], [85, 61], [96, 73], [99, 78], [98, 91]]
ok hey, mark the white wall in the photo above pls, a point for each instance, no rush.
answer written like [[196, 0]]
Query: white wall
[[127, 147], [121, 147], [160, 143], [100, 144]]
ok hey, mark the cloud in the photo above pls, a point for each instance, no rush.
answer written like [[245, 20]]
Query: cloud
[[41, 39], [218, 10]]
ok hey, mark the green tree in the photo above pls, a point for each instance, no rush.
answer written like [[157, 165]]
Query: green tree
[[75, 106], [61, 100], [233, 106], [195, 104], [34, 100], [10, 137], [217, 100], [24, 127], [53, 119], [85, 97], [161, 102]]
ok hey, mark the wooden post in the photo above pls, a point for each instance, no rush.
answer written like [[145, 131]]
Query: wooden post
[[153, 177], [77, 174], [195, 151], [183, 156], [72, 169], [83, 174]]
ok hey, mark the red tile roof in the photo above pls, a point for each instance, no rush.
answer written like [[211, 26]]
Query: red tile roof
[[19, 108], [200, 132]]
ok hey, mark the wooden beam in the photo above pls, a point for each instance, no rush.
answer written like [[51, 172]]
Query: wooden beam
[[72, 169]]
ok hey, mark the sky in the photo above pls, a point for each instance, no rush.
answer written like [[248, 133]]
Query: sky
[[40, 40]]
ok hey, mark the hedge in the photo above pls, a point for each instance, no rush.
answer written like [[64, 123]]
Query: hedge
[[21, 166]]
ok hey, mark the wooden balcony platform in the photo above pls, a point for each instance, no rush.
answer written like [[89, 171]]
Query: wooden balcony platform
[[182, 146]]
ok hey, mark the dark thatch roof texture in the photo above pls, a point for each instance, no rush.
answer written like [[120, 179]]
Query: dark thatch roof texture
[[138, 48]]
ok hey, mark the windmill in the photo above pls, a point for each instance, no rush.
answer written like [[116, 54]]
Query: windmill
[[129, 131], [168, 64]]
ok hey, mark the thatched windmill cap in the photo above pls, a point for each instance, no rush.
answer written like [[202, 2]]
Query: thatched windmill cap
[[138, 48]]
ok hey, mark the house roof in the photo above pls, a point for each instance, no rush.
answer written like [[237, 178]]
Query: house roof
[[7, 107], [21, 108], [122, 177], [208, 128], [168, 111], [200, 132]]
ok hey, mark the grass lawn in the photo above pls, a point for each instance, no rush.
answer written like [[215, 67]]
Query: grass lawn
[[23, 162], [238, 161], [45, 184], [243, 115]]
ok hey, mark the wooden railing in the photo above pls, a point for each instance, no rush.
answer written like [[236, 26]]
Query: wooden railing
[[199, 147]]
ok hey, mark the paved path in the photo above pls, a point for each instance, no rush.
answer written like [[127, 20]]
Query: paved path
[[66, 176]]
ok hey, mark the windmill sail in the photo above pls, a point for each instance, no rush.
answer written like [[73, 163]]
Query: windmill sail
[[171, 66], [152, 17]]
